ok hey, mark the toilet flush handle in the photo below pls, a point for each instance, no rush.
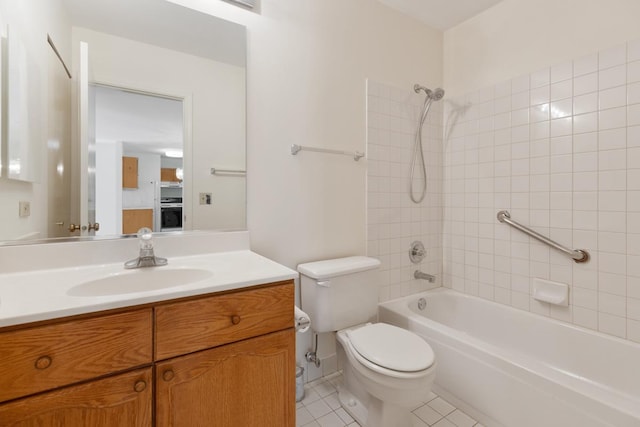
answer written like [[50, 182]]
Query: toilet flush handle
[[324, 283]]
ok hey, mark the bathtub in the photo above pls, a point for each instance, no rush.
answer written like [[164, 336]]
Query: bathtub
[[511, 368]]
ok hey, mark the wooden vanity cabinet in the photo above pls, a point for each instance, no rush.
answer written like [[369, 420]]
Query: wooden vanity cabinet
[[239, 367], [248, 383], [124, 400], [223, 360], [187, 326], [50, 356]]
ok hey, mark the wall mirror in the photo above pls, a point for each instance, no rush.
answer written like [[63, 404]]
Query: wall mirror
[[127, 114]]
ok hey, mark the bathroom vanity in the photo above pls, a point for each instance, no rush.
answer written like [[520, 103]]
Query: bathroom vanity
[[220, 351]]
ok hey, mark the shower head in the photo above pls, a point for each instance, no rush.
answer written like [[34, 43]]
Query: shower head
[[417, 88], [435, 95]]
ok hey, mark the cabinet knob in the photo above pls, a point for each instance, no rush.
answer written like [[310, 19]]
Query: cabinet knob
[[168, 375], [139, 386], [74, 227], [235, 319], [43, 362]]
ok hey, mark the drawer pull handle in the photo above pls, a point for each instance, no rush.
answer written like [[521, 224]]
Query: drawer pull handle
[[168, 375], [43, 362], [235, 319], [139, 386]]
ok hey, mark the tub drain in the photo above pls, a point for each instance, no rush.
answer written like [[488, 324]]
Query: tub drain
[[422, 304]]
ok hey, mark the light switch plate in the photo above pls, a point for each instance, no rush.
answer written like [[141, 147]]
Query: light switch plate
[[24, 209]]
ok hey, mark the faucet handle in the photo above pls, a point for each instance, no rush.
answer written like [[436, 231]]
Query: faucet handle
[[417, 252], [145, 237]]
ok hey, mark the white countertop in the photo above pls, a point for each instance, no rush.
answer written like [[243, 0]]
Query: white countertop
[[48, 294]]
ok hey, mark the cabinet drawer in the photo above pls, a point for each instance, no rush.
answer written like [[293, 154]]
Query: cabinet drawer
[[189, 326], [51, 356]]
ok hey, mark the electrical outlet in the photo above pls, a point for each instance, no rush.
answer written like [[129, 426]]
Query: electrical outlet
[[205, 198], [24, 209]]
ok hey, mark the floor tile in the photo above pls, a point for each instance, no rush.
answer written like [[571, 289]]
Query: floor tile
[[417, 422], [316, 382], [325, 388], [318, 408], [442, 406], [321, 408], [461, 419], [427, 414], [331, 420], [444, 423], [303, 417], [344, 416], [332, 401], [310, 396]]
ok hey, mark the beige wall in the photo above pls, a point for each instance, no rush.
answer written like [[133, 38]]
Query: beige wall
[[307, 65], [519, 36], [36, 19]]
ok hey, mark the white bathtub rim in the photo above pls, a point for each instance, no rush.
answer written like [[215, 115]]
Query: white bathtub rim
[[575, 398], [444, 290], [594, 414], [597, 392]]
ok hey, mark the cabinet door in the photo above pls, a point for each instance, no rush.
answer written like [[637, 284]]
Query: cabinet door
[[168, 175], [123, 400], [129, 172], [134, 219], [248, 383]]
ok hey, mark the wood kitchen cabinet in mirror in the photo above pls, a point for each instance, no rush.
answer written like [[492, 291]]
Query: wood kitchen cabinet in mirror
[[129, 172]]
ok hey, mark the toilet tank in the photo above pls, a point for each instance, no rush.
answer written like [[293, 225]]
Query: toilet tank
[[338, 293]]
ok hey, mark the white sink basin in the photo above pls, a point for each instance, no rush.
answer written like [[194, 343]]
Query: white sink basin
[[139, 280]]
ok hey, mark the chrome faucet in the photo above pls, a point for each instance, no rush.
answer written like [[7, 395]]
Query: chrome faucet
[[146, 258], [420, 275]]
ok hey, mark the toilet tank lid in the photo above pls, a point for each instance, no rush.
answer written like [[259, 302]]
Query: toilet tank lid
[[337, 267]]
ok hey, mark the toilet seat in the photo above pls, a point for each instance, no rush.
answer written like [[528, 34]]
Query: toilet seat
[[389, 350]]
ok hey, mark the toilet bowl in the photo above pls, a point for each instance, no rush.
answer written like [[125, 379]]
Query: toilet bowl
[[387, 370]]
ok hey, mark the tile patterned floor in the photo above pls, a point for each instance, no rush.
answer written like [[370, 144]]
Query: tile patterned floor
[[321, 408]]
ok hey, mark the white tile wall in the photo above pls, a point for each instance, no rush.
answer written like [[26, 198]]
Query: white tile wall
[[393, 220], [560, 151]]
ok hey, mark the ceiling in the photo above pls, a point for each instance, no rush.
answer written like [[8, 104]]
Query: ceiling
[[441, 14], [143, 123], [163, 24]]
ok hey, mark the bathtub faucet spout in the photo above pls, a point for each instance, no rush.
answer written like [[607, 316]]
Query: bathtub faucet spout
[[420, 275]]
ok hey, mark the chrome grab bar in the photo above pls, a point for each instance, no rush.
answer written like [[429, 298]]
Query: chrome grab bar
[[578, 255]]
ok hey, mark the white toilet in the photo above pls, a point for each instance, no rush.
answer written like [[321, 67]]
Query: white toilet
[[387, 370]]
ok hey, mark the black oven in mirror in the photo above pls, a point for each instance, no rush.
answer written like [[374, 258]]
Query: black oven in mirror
[[171, 214]]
